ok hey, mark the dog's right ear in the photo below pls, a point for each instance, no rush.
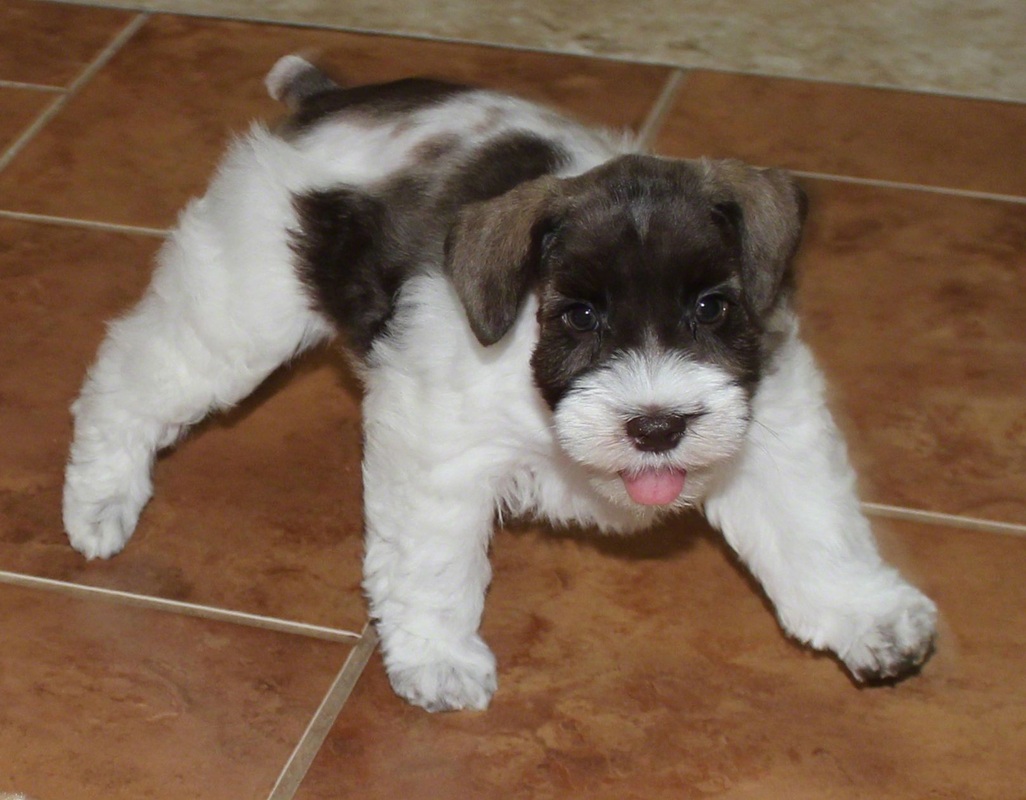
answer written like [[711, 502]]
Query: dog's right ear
[[493, 250]]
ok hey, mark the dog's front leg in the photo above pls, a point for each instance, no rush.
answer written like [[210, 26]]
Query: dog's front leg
[[426, 570], [788, 506]]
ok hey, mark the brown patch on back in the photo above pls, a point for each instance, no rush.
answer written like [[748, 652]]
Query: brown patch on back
[[492, 119], [435, 149], [377, 101]]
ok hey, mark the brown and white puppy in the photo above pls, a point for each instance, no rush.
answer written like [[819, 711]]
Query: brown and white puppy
[[547, 323]]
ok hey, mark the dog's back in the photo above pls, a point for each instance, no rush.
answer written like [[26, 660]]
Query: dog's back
[[438, 147]]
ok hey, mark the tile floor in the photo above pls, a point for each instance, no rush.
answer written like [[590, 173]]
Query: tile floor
[[224, 654]]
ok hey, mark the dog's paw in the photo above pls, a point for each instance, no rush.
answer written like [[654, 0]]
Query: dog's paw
[[100, 530], [98, 523], [896, 643], [452, 678]]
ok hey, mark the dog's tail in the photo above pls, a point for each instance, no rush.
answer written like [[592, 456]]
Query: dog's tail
[[293, 79]]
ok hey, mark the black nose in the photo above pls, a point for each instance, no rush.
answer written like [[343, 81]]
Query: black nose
[[657, 433]]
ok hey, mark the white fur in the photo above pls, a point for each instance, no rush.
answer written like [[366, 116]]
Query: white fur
[[285, 70], [589, 422], [456, 432]]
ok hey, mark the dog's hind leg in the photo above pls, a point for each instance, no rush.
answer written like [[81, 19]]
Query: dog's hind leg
[[224, 309]]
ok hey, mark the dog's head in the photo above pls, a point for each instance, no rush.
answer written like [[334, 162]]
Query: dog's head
[[655, 280]]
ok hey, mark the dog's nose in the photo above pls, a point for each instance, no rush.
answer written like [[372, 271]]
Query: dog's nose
[[657, 433]]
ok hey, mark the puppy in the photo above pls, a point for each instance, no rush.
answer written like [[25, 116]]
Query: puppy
[[547, 323]]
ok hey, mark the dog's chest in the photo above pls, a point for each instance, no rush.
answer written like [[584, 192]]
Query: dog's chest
[[476, 409]]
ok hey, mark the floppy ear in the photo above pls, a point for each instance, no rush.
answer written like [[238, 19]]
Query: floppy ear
[[492, 254], [768, 207]]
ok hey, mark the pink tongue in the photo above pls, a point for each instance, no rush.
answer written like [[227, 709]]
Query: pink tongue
[[654, 487]]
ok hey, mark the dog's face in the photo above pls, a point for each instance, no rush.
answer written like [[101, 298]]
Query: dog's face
[[654, 280]]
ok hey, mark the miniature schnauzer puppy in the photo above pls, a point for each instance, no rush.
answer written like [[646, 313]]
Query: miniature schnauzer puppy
[[547, 323]]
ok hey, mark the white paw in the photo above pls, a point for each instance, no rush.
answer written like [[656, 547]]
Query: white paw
[[99, 527], [444, 677], [896, 642], [100, 531]]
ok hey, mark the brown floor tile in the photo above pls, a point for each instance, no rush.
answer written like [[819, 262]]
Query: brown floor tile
[[850, 130], [260, 511], [101, 700], [51, 43], [19, 108], [914, 303], [651, 669], [146, 132]]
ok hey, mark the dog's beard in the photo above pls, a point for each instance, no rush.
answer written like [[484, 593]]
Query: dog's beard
[[591, 420]]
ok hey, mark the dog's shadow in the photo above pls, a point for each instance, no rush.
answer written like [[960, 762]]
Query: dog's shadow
[[668, 539], [664, 541], [322, 357], [671, 539]]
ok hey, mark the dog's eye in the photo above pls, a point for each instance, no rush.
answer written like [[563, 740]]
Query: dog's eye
[[711, 308], [581, 317], [548, 240]]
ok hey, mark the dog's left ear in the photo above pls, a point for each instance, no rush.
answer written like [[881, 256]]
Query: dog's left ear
[[769, 208], [493, 250]]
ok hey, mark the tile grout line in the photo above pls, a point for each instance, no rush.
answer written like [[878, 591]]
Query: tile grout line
[[540, 49], [854, 84], [654, 121], [111, 227], [18, 144], [35, 87], [58, 104], [108, 52], [940, 518], [149, 602], [310, 743], [913, 187]]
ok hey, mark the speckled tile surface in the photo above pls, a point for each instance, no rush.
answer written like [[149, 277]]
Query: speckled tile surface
[[106, 701], [20, 107], [651, 669], [51, 43], [914, 304], [877, 134]]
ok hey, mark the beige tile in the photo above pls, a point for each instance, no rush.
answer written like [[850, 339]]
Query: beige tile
[[850, 130], [650, 668], [913, 302], [260, 511], [51, 43], [101, 700], [146, 132]]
